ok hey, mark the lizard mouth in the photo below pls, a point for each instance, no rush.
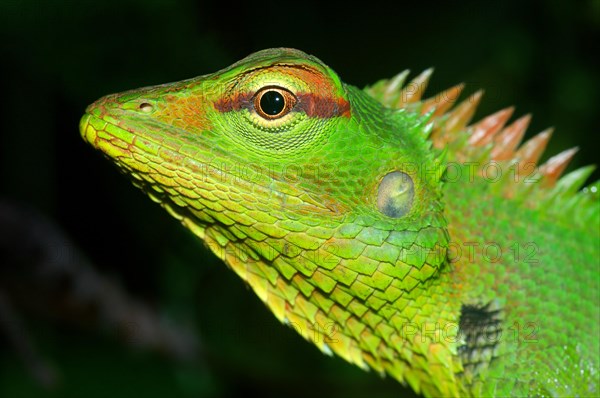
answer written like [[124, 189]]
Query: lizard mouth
[[119, 119], [124, 128], [105, 136], [156, 164], [113, 141]]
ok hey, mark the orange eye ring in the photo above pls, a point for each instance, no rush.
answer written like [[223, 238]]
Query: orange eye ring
[[274, 102]]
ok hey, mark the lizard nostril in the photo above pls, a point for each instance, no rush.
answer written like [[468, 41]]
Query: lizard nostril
[[145, 107]]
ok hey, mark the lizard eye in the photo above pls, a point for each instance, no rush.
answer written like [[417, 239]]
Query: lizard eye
[[273, 102]]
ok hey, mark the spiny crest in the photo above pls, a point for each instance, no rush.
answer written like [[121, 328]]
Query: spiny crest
[[492, 140]]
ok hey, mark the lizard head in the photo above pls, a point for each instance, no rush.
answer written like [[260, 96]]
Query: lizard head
[[279, 120], [323, 200]]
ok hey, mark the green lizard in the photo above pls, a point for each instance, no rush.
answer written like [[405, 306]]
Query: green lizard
[[382, 227]]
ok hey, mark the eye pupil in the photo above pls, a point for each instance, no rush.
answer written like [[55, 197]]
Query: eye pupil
[[272, 103]]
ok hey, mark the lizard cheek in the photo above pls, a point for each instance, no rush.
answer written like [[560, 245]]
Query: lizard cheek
[[395, 194]]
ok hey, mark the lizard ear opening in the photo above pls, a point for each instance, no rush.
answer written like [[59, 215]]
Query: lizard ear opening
[[395, 194]]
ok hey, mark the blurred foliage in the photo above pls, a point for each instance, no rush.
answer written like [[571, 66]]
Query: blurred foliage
[[59, 56]]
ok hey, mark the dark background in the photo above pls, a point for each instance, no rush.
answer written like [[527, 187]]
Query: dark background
[[57, 57]]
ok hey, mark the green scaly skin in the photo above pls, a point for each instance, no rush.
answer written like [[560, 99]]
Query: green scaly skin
[[456, 284]]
